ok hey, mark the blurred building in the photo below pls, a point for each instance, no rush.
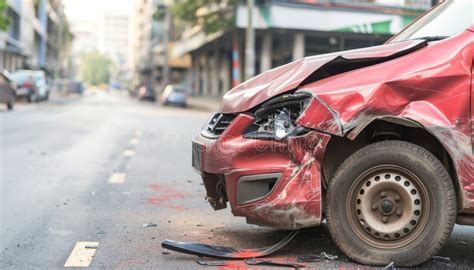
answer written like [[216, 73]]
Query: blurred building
[[37, 37], [289, 30], [85, 41], [113, 38], [143, 32], [148, 52], [85, 37]]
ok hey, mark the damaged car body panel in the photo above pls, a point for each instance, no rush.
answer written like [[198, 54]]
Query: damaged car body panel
[[422, 87], [290, 201], [290, 76]]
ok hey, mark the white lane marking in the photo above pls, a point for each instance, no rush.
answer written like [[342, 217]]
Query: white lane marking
[[82, 254], [117, 178], [128, 153], [134, 141]]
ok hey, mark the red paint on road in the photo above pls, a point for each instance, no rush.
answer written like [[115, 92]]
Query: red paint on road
[[165, 195]]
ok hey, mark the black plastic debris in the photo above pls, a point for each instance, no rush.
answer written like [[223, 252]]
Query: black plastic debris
[[309, 258], [211, 262], [225, 252], [316, 258], [442, 259], [148, 225], [92, 246], [266, 262]]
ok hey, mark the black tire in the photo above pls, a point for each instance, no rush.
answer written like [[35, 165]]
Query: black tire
[[11, 104], [33, 98], [422, 241]]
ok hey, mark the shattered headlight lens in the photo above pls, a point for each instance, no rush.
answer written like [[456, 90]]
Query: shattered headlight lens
[[282, 124], [276, 118]]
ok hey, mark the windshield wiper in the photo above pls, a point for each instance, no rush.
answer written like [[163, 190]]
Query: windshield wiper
[[432, 38]]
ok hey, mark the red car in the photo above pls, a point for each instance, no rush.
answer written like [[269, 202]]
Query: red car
[[377, 141]]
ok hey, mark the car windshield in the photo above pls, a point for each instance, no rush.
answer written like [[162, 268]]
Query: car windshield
[[445, 20], [21, 78], [179, 90]]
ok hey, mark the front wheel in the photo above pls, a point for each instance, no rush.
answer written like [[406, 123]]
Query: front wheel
[[391, 201]]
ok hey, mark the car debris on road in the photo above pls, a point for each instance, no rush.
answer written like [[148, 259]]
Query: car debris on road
[[316, 258], [204, 262], [225, 252], [148, 225], [268, 262]]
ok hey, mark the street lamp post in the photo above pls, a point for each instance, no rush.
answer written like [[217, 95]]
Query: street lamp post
[[166, 39], [249, 43]]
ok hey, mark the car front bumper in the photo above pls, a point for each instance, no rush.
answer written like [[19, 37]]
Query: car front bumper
[[271, 183]]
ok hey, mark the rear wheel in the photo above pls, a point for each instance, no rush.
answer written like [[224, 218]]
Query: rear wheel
[[398, 205], [32, 98], [11, 103]]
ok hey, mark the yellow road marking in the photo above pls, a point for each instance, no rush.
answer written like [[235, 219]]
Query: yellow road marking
[[117, 178], [82, 254], [134, 141], [128, 153]]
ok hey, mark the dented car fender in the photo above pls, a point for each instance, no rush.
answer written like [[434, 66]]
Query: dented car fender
[[430, 88]]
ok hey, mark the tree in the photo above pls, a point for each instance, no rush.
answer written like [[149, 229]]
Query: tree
[[211, 15], [4, 19], [95, 69]]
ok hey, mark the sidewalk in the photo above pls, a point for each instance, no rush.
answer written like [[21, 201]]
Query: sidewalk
[[204, 103]]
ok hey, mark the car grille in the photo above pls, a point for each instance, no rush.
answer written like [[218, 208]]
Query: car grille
[[218, 124]]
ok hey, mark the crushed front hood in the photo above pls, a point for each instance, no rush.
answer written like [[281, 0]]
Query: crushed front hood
[[290, 76]]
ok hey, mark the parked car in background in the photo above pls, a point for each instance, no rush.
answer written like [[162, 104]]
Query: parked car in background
[[378, 141], [174, 95], [31, 84], [7, 90], [76, 87], [146, 92]]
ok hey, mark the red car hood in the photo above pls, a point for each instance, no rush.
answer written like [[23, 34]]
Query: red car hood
[[290, 76]]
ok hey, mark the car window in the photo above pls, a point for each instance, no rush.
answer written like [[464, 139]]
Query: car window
[[179, 90], [20, 78], [448, 19], [39, 80]]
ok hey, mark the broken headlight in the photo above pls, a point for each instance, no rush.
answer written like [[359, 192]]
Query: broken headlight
[[276, 118]]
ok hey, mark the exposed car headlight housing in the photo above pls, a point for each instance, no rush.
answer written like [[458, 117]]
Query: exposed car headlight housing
[[282, 124], [276, 118]]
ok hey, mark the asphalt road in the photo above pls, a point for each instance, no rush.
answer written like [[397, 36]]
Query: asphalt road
[[58, 160]]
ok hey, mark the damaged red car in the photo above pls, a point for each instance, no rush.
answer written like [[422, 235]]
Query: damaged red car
[[376, 141]]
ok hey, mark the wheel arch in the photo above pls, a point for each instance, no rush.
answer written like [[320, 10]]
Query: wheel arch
[[386, 128]]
